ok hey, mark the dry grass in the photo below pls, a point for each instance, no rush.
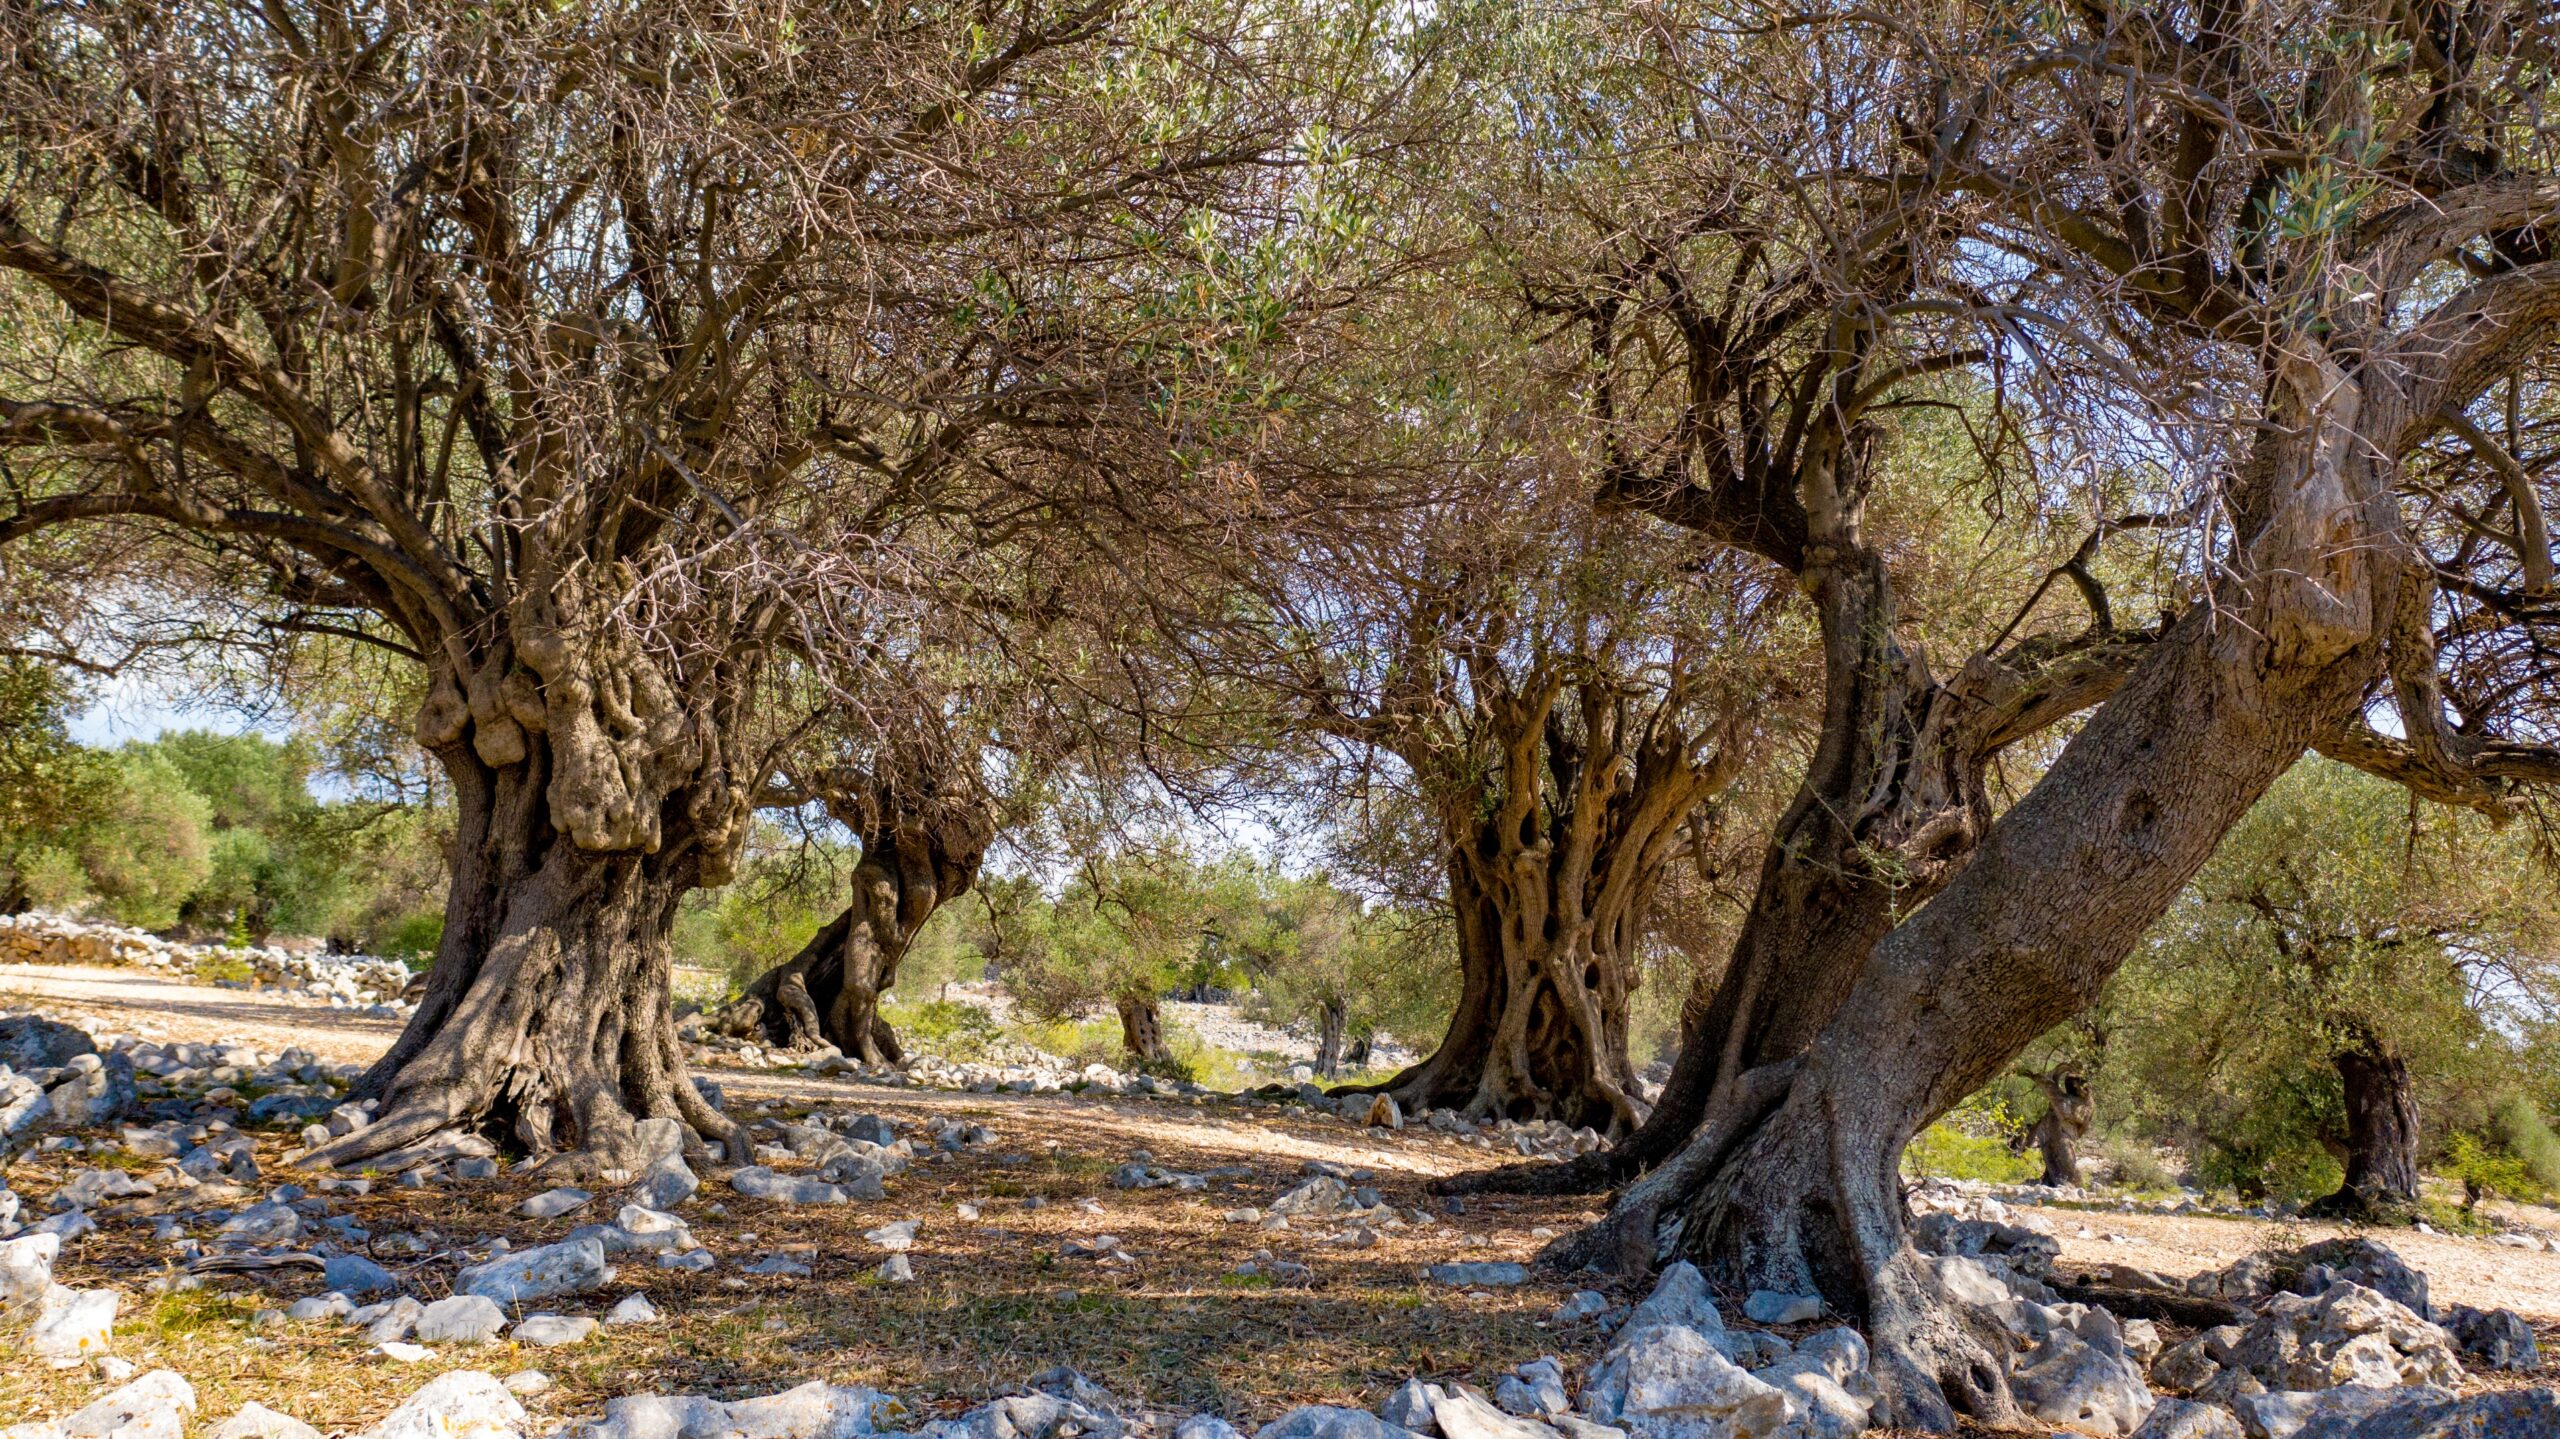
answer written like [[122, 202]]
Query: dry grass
[[994, 1302]]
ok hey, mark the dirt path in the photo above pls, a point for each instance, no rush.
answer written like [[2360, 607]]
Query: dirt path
[[2460, 1270]]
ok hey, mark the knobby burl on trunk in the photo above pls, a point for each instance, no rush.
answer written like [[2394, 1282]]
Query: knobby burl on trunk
[[588, 800]]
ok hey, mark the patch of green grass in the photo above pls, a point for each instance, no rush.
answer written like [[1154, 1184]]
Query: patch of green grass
[[1944, 1150], [1204, 1063], [2454, 1219], [1078, 1167], [124, 1159], [193, 1311], [1247, 1281]]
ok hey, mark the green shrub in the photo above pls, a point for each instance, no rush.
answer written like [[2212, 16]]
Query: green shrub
[[2137, 1166], [1971, 1142], [2519, 1127], [2484, 1169], [1089, 1041], [946, 1026], [54, 879]]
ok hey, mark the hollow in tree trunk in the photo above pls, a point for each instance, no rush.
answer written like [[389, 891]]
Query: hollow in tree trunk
[[829, 993], [1141, 1028], [2382, 1137]]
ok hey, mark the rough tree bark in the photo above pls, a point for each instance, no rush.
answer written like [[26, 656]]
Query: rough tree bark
[[1790, 1181], [2382, 1137], [1549, 891], [579, 824], [1884, 816], [1333, 1019], [2068, 1109], [913, 862], [1141, 1028]]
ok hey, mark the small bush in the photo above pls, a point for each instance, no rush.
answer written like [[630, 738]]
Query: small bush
[[1945, 1150], [225, 968], [1091, 1041], [2137, 1166], [947, 1026], [2519, 1127], [2484, 1169]]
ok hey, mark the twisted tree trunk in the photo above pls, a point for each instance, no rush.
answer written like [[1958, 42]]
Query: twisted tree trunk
[[829, 993], [1333, 1018], [546, 1019], [1141, 1028], [1884, 816], [1540, 1031], [2382, 1136], [1790, 1181], [2068, 1109], [1553, 861]]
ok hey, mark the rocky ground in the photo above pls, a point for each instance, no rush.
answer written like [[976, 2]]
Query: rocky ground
[[1193, 1261]]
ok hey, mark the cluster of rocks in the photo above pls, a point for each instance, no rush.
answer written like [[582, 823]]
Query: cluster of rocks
[[2335, 1340], [341, 981], [464, 1404]]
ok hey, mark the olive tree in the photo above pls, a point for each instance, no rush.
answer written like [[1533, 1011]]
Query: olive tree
[[609, 366], [2275, 284]]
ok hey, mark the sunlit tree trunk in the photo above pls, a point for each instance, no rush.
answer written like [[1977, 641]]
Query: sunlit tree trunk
[[829, 993]]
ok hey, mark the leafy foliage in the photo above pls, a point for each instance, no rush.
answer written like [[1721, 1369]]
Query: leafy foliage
[[2335, 918]]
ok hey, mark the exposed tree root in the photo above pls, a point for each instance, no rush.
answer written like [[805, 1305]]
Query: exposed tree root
[[555, 1039]]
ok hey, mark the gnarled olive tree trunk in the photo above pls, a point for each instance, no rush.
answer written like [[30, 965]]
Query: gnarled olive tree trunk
[[2068, 1110], [580, 823], [1141, 1028], [1790, 1181], [1889, 806], [1540, 1031], [829, 993], [1549, 886], [2382, 1136], [1333, 1023]]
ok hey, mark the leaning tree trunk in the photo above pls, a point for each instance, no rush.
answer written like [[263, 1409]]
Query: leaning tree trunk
[[1791, 1179], [1142, 1029], [2382, 1137], [546, 1019], [829, 993]]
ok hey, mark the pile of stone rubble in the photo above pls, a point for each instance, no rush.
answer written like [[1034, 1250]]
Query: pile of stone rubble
[[341, 981], [2334, 1340]]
